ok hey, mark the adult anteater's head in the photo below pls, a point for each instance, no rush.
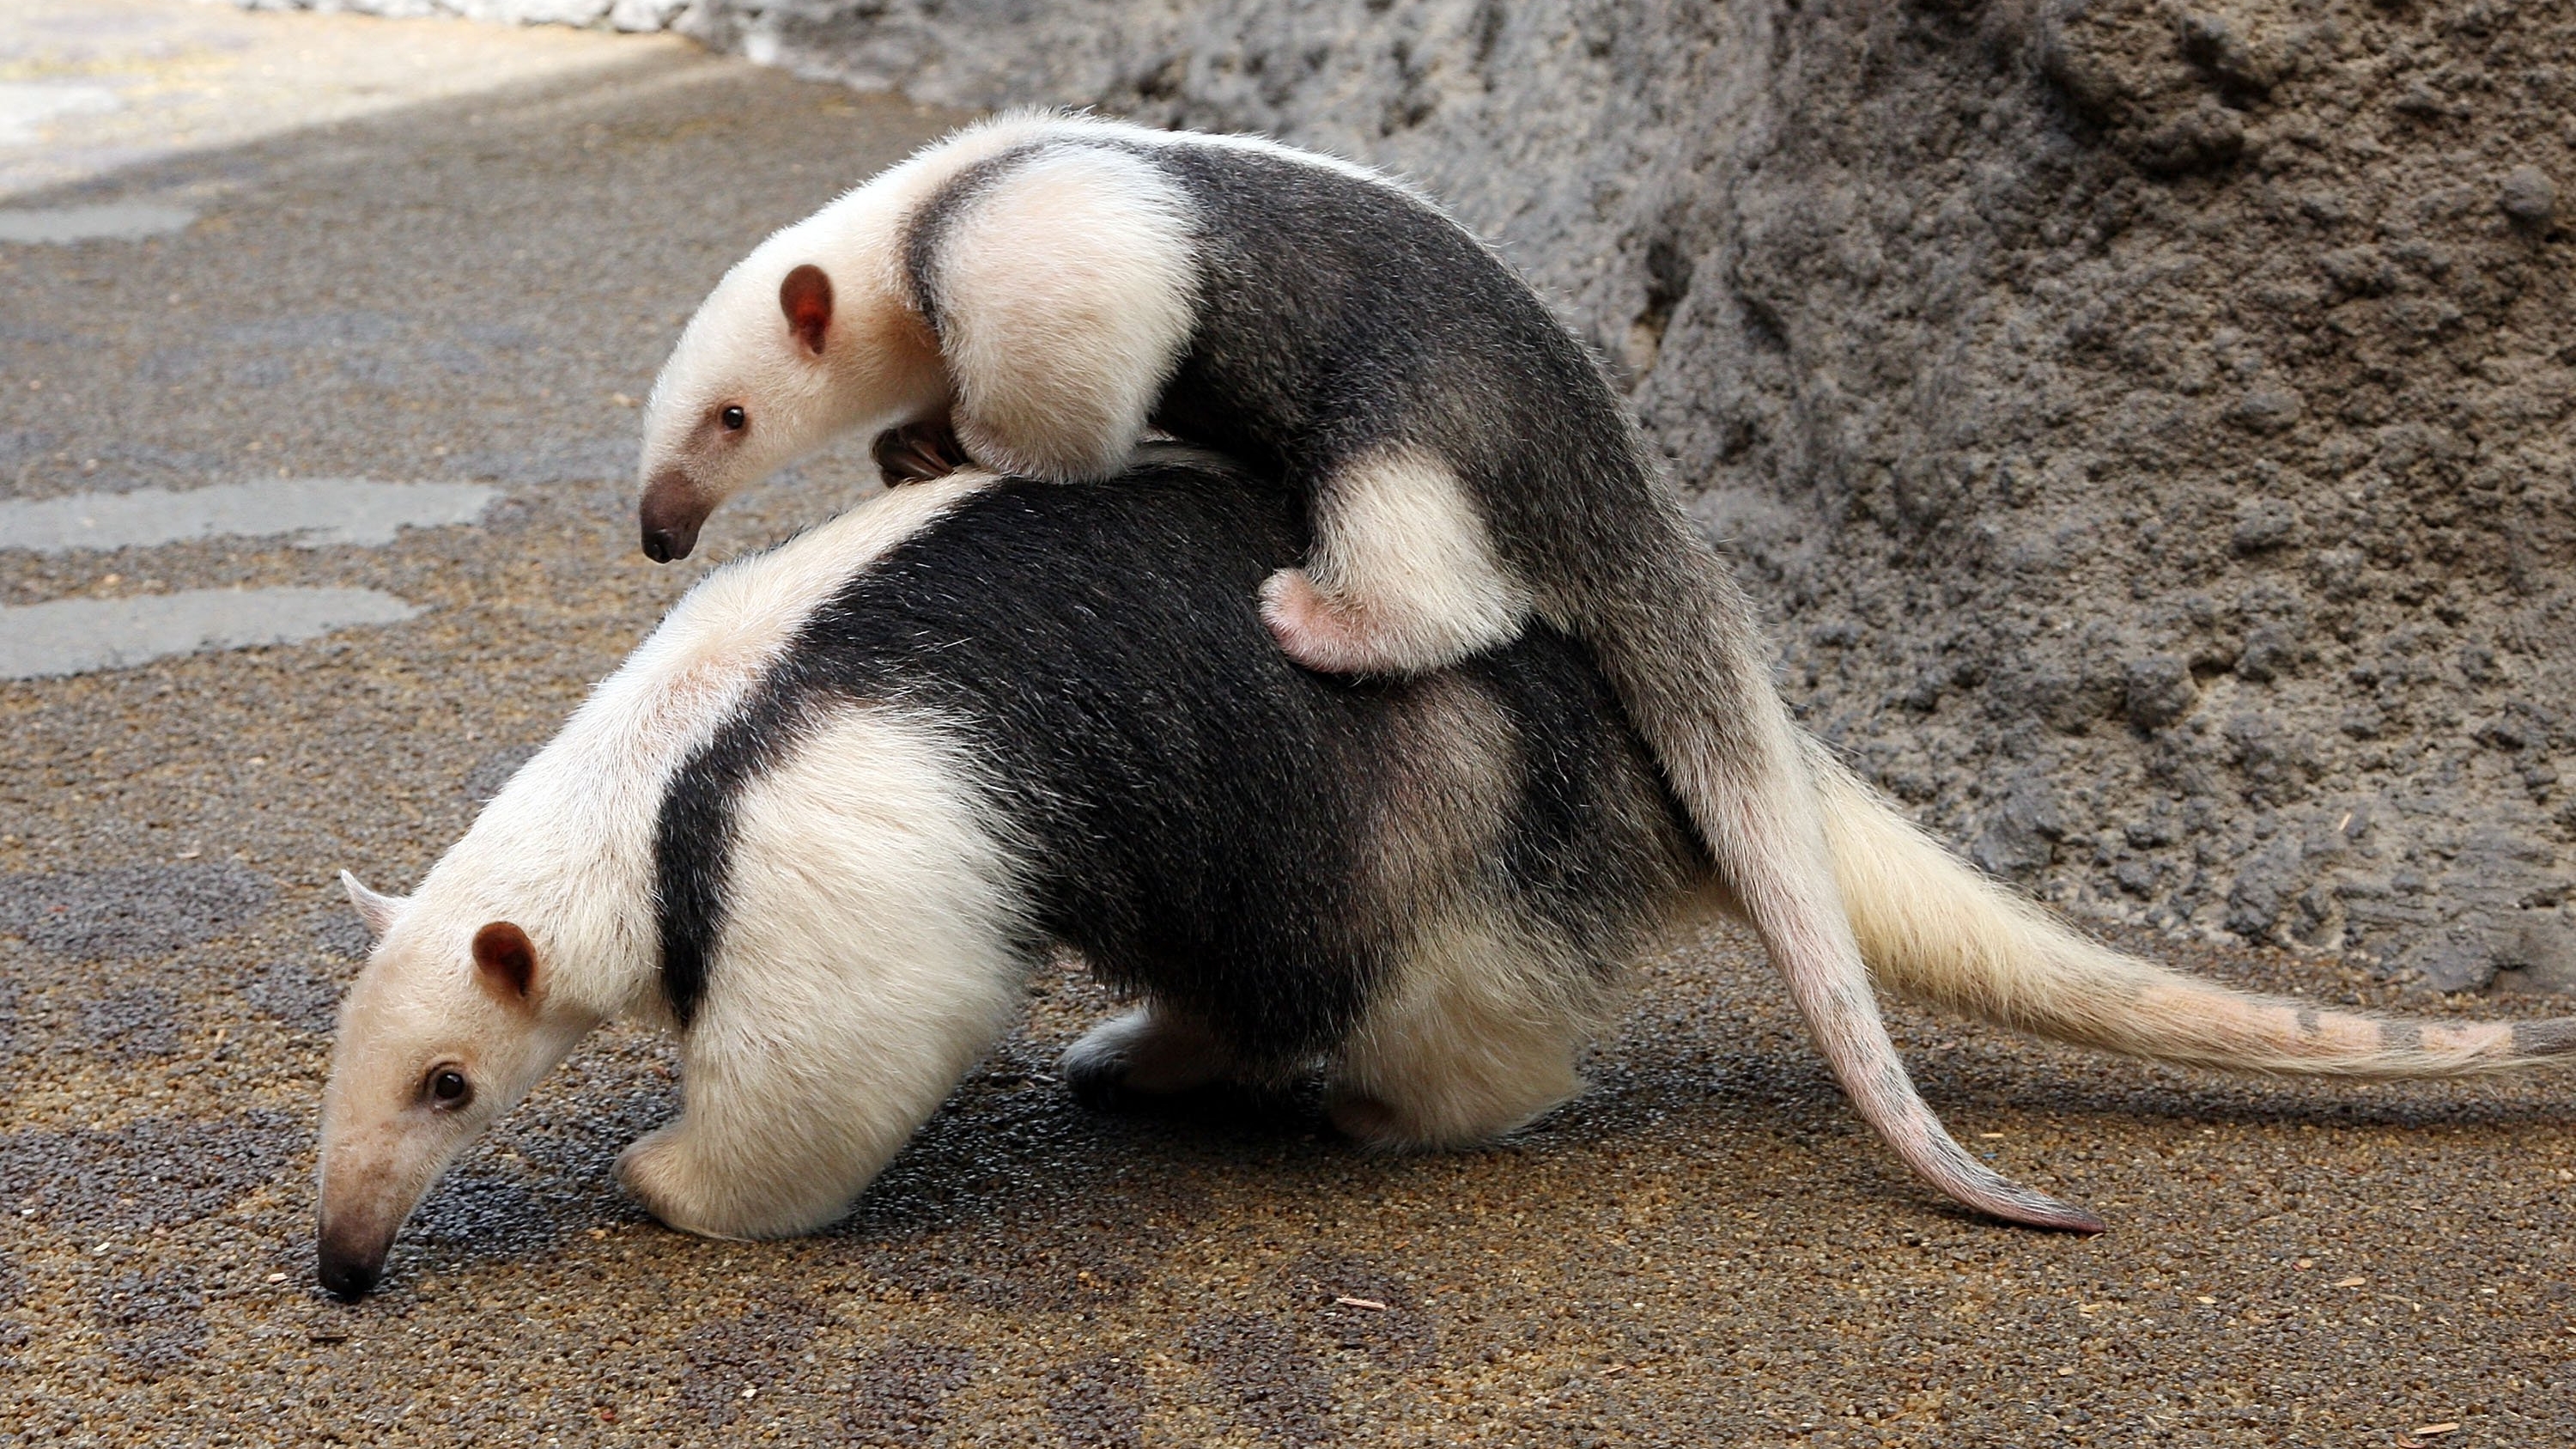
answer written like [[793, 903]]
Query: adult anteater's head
[[448, 1026]]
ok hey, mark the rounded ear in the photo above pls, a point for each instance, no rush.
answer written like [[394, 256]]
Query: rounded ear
[[505, 962], [377, 911], [806, 298]]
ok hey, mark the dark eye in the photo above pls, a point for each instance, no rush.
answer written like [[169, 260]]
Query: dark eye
[[732, 418], [448, 1088]]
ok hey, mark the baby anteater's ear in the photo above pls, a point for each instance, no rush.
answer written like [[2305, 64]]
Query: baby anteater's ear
[[806, 298], [378, 911]]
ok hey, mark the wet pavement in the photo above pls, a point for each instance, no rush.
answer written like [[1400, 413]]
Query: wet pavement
[[435, 254]]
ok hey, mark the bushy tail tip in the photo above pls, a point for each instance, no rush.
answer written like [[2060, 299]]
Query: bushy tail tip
[[1935, 929]]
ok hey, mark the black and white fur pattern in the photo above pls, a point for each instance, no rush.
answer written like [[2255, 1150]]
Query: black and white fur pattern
[[1059, 286], [825, 820], [1425, 883]]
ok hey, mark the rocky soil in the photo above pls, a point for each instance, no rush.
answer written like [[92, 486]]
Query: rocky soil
[[2148, 421]]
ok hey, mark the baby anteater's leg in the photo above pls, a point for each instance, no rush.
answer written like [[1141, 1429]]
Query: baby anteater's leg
[[1403, 578]]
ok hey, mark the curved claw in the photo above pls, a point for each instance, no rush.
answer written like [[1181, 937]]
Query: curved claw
[[918, 453]]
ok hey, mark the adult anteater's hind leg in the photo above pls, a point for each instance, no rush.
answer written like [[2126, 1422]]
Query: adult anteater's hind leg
[[1151, 1051], [1478, 1036]]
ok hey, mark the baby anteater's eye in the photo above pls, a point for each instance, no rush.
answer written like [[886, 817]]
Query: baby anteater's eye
[[733, 418], [449, 1089]]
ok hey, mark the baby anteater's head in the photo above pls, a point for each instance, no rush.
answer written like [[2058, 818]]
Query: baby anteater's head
[[804, 339]]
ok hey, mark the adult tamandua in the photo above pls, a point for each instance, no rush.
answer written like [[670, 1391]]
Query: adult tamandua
[[827, 817], [1055, 286]]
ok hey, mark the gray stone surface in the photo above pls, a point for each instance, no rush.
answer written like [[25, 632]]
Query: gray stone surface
[[309, 512], [111, 221], [2536, 951], [2170, 400], [75, 636], [129, 913]]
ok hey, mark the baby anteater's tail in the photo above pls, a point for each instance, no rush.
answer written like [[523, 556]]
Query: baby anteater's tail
[[1934, 929], [1674, 636]]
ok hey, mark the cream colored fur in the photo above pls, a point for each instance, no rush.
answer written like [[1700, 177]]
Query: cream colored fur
[[383, 1140], [870, 888], [1479, 1035], [1934, 929], [1479, 1028], [1066, 293], [880, 366], [564, 852], [1402, 577], [1070, 294]]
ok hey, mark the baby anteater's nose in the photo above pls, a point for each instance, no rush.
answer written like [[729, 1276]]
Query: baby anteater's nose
[[662, 545]]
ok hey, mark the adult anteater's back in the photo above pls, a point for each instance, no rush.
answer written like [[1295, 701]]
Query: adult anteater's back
[[1246, 841]]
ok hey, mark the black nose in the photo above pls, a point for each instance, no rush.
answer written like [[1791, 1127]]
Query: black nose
[[662, 545], [348, 1279]]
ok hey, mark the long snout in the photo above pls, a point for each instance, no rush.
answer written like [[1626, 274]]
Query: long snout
[[349, 1262], [673, 509], [367, 1193]]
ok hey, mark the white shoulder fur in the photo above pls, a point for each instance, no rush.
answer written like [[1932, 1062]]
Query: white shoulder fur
[[872, 889], [1025, 125], [1066, 293]]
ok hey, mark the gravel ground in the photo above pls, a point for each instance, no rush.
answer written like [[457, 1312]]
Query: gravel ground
[[461, 267]]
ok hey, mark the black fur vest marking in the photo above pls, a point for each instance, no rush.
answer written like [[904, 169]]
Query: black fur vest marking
[[1191, 809]]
